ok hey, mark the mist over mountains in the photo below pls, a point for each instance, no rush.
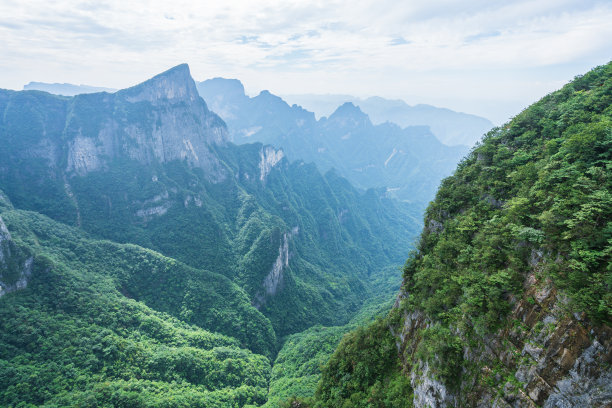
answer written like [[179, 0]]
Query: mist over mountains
[[380, 143], [181, 244], [409, 162], [65, 89], [450, 127]]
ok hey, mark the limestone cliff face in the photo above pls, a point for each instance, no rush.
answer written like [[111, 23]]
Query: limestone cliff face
[[160, 120], [268, 158], [273, 282], [15, 266], [547, 358]]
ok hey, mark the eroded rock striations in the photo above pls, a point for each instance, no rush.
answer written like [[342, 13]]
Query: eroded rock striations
[[558, 359]]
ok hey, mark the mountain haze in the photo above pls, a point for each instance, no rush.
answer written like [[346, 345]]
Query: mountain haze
[[65, 89], [409, 162], [450, 127]]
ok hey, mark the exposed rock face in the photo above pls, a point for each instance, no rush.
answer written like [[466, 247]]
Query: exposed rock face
[[559, 359], [174, 85], [268, 158], [5, 240], [428, 391], [582, 387], [4, 201], [160, 120], [274, 280], [14, 270], [22, 280]]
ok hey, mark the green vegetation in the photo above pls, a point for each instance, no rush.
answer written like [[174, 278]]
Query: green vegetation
[[164, 296], [365, 372], [536, 191], [297, 368], [222, 217], [170, 283], [72, 337], [208, 300], [533, 197]]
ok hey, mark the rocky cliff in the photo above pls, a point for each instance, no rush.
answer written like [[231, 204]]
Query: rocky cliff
[[546, 357], [15, 263], [158, 121], [507, 301]]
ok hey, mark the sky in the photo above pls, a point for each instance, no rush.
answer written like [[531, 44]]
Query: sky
[[487, 57]]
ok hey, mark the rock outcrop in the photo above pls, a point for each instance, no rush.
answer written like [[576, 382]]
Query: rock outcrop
[[157, 121], [549, 358], [268, 158], [15, 266]]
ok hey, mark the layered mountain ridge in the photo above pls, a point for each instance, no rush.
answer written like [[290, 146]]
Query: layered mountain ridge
[[159, 252], [409, 162], [151, 165], [450, 127]]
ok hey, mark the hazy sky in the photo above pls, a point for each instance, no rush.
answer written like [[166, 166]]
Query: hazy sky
[[486, 57]]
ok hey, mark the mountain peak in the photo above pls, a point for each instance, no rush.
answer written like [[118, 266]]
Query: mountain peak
[[348, 109], [175, 84], [350, 113], [211, 88]]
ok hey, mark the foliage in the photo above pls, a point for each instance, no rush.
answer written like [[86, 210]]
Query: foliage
[[536, 191], [71, 338], [365, 371], [232, 225], [208, 300], [533, 197], [297, 368], [443, 351]]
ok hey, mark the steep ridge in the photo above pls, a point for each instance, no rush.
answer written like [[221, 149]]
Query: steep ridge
[[151, 165], [409, 162], [507, 300]]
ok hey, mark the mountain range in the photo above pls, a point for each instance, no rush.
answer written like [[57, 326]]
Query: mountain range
[[404, 153], [160, 250], [65, 89], [148, 261], [450, 127], [409, 162]]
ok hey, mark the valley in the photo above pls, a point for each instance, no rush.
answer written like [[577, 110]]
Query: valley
[[180, 244]]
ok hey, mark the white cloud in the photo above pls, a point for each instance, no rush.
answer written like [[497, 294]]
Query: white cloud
[[433, 50]]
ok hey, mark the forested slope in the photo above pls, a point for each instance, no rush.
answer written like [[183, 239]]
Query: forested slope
[[95, 323], [507, 300], [151, 165], [145, 261]]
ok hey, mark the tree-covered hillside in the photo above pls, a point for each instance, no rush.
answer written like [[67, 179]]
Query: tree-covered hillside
[[151, 165], [507, 300], [145, 261], [98, 324]]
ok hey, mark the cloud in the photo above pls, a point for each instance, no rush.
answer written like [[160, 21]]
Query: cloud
[[399, 41], [360, 47]]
